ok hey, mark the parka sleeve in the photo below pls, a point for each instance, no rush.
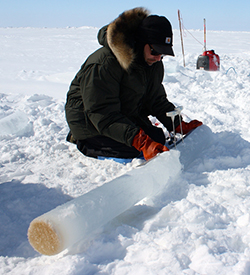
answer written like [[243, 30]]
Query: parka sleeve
[[157, 101], [100, 88]]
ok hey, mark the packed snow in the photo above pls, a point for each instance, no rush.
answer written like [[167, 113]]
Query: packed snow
[[199, 224]]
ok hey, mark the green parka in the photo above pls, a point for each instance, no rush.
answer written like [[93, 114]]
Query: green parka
[[114, 92]]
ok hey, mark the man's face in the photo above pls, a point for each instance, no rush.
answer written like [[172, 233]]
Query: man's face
[[149, 58]]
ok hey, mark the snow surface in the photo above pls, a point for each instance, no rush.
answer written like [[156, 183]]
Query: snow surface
[[199, 225]]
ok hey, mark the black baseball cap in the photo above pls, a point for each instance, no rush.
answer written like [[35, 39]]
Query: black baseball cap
[[157, 31]]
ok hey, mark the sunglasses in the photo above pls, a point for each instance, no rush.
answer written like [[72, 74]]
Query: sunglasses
[[154, 52]]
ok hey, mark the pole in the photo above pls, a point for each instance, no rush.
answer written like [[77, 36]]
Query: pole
[[205, 38], [181, 38]]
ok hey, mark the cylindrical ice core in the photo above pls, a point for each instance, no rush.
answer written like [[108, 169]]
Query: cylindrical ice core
[[77, 219]]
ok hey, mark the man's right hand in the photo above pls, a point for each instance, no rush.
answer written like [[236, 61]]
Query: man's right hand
[[147, 146]]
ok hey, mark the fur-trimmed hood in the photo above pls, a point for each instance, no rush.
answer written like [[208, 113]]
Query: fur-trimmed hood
[[121, 33]]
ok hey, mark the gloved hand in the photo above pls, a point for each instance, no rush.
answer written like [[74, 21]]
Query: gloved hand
[[188, 126], [149, 148]]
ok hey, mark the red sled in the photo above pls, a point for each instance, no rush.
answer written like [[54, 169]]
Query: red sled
[[209, 61]]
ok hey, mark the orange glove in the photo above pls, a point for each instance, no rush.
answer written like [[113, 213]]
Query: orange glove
[[149, 148], [188, 126]]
